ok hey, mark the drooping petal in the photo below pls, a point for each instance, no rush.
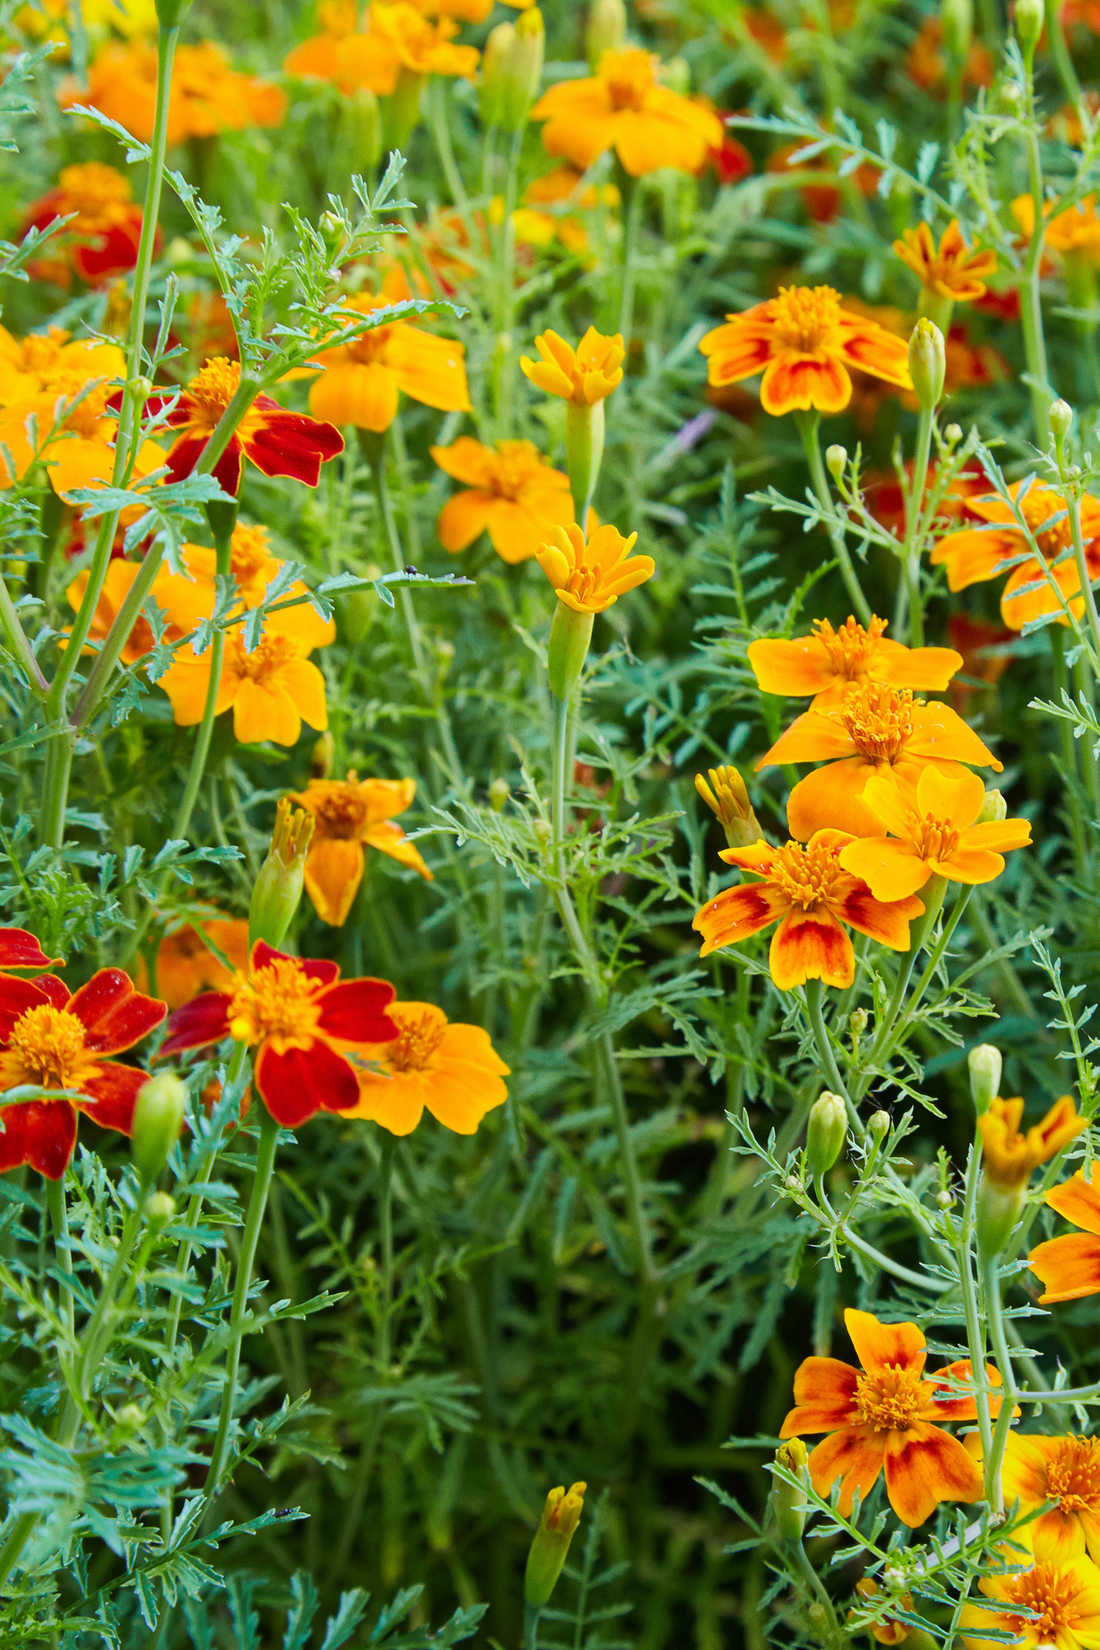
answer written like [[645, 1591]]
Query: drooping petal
[[205, 1019], [1068, 1266], [390, 839], [879, 1344], [354, 1011], [301, 1082], [334, 870], [41, 1133], [811, 945], [113, 1014], [925, 1466], [1056, 1537], [265, 711], [854, 1455]]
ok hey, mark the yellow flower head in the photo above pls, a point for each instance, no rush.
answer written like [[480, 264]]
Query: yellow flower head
[[590, 574], [1008, 1157], [952, 270], [583, 375]]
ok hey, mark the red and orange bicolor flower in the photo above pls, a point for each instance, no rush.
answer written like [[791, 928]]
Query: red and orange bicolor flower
[[883, 1416], [807, 891], [453, 1071], [301, 1019], [1069, 1266], [826, 662], [53, 1039], [804, 343], [351, 815], [876, 729], [623, 107], [100, 240], [511, 493]]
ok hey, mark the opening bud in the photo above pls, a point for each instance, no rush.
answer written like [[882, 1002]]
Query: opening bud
[[557, 1526], [927, 363], [1029, 24], [826, 1132], [993, 809], [523, 69], [1000, 1207], [606, 29], [857, 1023], [1061, 418], [278, 888], [499, 792], [789, 1502], [836, 457], [158, 1118], [724, 792], [957, 20], [953, 434], [985, 1075], [494, 60], [159, 1208]]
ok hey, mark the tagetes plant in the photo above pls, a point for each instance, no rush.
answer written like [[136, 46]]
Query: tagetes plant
[[1009, 1156], [190, 597], [882, 1417], [624, 107], [352, 815], [589, 574], [186, 966], [117, 584], [301, 1019], [804, 344], [99, 240], [51, 1038], [450, 1070], [361, 382], [824, 664], [951, 270], [814, 899], [511, 493], [1069, 1266], [583, 375], [1049, 1603]]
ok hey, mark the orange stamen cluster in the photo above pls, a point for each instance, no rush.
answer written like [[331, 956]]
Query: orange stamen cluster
[[628, 76], [1037, 507], [275, 1002], [878, 718], [342, 813], [804, 316], [417, 1042], [934, 838], [1051, 1592], [850, 647], [1073, 1475], [213, 388], [889, 1398], [46, 1047], [807, 873], [266, 660]]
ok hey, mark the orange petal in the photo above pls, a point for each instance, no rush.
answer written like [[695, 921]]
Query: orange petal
[[824, 1396], [1068, 1266], [878, 1344], [334, 870], [930, 668], [795, 669], [939, 732], [975, 553], [463, 519], [1078, 1201], [892, 870], [811, 945], [800, 382], [925, 1466], [811, 738], [390, 839], [833, 797], [854, 1455], [737, 913], [951, 793]]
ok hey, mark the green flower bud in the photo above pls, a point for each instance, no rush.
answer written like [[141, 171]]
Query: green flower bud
[[1061, 418], [985, 1075], [993, 809], [1029, 24], [158, 1118], [927, 363], [499, 792], [362, 130], [826, 1132], [570, 635], [957, 20], [836, 457], [159, 1208], [879, 1124], [278, 888], [857, 1023], [320, 760], [953, 434], [494, 68], [523, 69], [170, 13], [605, 31], [557, 1526], [130, 1415], [788, 1503]]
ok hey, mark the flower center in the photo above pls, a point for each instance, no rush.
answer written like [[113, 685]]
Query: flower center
[[806, 874], [371, 347], [1038, 506], [1073, 1475], [277, 1002], [416, 1043], [88, 189], [213, 388], [41, 351], [850, 647], [46, 1047], [265, 661], [934, 837], [249, 557], [803, 316], [83, 419], [628, 77], [1052, 1593], [878, 718], [890, 1399], [515, 465], [342, 812]]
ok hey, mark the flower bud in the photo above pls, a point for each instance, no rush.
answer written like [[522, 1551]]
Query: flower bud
[[857, 1023], [494, 61], [559, 1521], [826, 1132], [1029, 24], [130, 1415], [957, 21], [927, 363], [320, 760], [584, 437], [879, 1124], [606, 29], [523, 69], [159, 1208], [278, 888], [985, 1065], [728, 799], [570, 634], [993, 809], [499, 792], [1000, 1207], [836, 457], [1061, 418], [676, 75], [788, 1503], [953, 434], [158, 1118]]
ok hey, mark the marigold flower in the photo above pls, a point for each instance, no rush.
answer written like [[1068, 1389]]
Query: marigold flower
[[804, 343], [360, 382], [512, 493], [876, 728], [881, 1416], [952, 270], [1065, 1471], [101, 239], [808, 892], [590, 574], [352, 814], [117, 582], [583, 375], [1008, 1157], [974, 554], [186, 967], [1062, 1601], [453, 1070], [884, 499], [18, 949], [51, 1039], [926, 65], [622, 107], [886, 1631], [826, 662], [1069, 1266], [342, 55], [207, 96], [932, 832], [1077, 229], [253, 567], [417, 45], [301, 1019], [278, 442]]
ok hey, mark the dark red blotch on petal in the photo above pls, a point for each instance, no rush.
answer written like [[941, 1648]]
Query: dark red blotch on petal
[[185, 453], [41, 1133], [355, 1012], [301, 1082], [113, 1014], [205, 1019]]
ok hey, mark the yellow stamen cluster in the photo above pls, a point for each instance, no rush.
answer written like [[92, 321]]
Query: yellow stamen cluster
[[213, 388], [46, 1047], [1037, 507], [890, 1399], [935, 838], [416, 1043], [266, 660], [850, 647], [512, 467], [628, 76], [274, 1002], [804, 316], [806, 873], [878, 718]]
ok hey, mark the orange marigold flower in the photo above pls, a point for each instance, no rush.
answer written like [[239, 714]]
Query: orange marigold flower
[[932, 832], [185, 966], [583, 375], [512, 493], [975, 554], [952, 270], [809, 890], [926, 65], [360, 381], [253, 567], [418, 46], [452, 1070], [117, 581], [1070, 1266], [882, 1416], [622, 107], [1062, 1602], [52, 1039], [1038, 1471], [342, 55], [350, 815], [590, 574], [825, 663], [76, 423], [886, 1631], [876, 729], [1077, 229], [101, 238], [207, 96], [884, 499], [1008, 1157], [803, 342]]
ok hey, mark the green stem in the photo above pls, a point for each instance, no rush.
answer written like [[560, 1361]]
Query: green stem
[[506, 276], [560, 748], [59, 1220], [831, 1634], [51, 522], [932, 893], [630, 257], [826, 1056], [18, 645], [913, 529], [209, 710], [1031, 309], [1060, 52], [991, 1279], [438, 93], [531, 1614], [808, 425], [1069, 752], [975, 1336], [385, 1233]]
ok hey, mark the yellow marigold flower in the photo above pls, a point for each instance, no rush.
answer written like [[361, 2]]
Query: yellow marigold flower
[[419, 46], [1062, 1602], [187, 600], [511, 493], [583, 375], [952, 270], [590, 574], [803, 343], [825, 663], [1008, 1157], [1075, 230], [360, 382], [47, 363], [622, 107], [207, 96], [1069, 1266], [1062, 1474], [351, 815], [453, 1071]]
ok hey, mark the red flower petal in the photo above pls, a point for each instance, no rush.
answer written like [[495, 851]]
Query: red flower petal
[[112, 1094], [205, 1019], [186, 452], [291, 444], [314, 968], [18, 949], [301, 1082], [41, 1133], [16, 996], [113, 1014], [355, 1011], [56, 990]]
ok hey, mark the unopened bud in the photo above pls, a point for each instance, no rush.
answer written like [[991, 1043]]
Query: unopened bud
[[879, 1124], [984, 1063], [557, 1526], [278, 887], [957, 20], [993, 809], [130, 1415], [927, 363], [1029, 24], [494, 60], [1061, 418], [363, 126], [857, 1023], [953, 434], [543, 830], [725, 794], [836, 457], [1000, 1207], [945, 1200], [523, 69], [170, 13], [499, 792], [158, 1118], [570, 635], [606, 29], [676, 75], [159, 1208], [788, 1501], [321, 756], [826, 1132]]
